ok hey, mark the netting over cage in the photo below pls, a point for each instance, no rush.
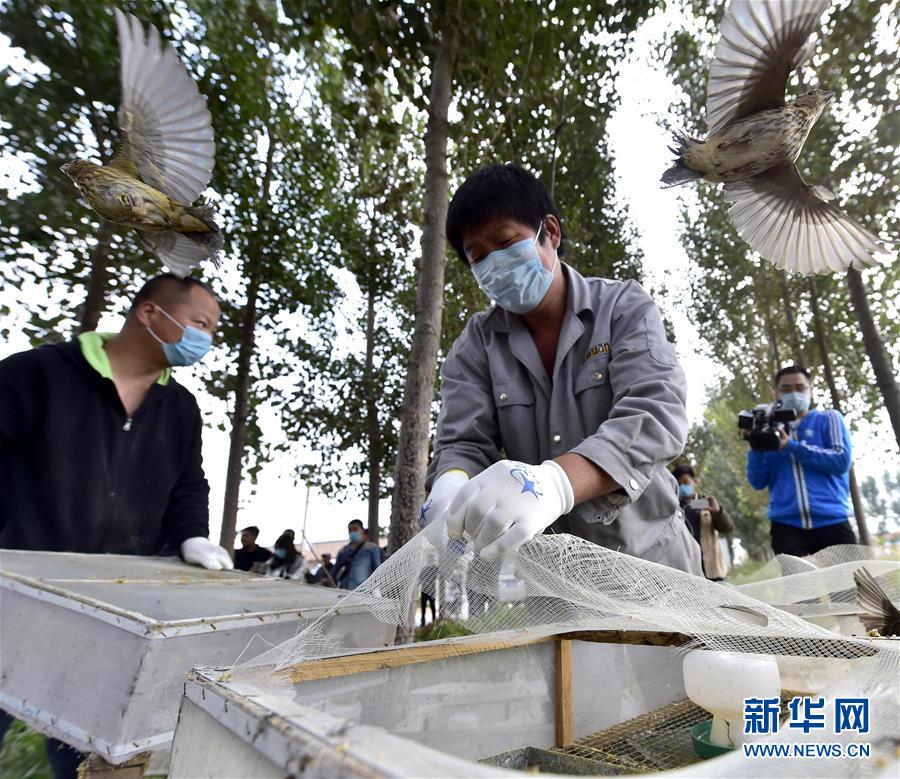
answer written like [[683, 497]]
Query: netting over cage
[[563, 583]]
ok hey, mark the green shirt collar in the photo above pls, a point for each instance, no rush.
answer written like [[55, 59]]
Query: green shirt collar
[[95, 354]]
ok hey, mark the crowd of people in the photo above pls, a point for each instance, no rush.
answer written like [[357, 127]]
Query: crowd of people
[[356, 561]]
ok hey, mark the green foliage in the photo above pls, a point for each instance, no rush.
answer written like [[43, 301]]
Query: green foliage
[[531, 85], [443, 628], [535, 86], [24, 754]]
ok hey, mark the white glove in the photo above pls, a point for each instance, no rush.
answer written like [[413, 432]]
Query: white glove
[[201, 551], [508, 504], [442, 492]]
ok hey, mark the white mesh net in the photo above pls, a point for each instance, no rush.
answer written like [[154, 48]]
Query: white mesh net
[[562, 583]]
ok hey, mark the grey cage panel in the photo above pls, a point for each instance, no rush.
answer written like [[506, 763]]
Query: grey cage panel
[[94, 648]]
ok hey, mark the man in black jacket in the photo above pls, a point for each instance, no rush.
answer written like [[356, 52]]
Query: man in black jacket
[[100, 446]]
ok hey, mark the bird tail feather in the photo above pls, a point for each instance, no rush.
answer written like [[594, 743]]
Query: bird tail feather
[[876, 609], [680, 173], [205, 213], [212, 239]]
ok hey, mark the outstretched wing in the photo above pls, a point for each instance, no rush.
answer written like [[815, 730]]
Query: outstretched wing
[[178, 254], [795, 227], [167, 134], [760, 43]]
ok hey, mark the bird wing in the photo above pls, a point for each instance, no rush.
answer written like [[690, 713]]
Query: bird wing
[[876, 609], [178, 254], [795, 227], [760, 43], [166, 127]]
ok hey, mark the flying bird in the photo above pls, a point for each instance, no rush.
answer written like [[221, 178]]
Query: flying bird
[[876, 610], [164, 159], [755, 136]]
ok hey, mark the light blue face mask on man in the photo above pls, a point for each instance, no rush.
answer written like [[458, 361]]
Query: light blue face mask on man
[[514, 277], [798, 401], [192, 346]]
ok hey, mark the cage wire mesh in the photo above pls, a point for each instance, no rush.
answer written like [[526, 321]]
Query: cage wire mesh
[[565, 583]]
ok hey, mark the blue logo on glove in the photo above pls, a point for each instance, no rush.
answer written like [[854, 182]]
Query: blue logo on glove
[[422, 512], [523, 477]]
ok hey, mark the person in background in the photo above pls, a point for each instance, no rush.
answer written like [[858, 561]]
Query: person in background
[[358, 560], [323, 574], [808, 478], [706, 519], [249, 553], [285, 561]]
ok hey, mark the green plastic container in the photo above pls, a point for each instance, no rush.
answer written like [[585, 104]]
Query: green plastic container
[[703, 747]]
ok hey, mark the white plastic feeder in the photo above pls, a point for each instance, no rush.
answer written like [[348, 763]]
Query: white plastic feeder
[[720, 681]]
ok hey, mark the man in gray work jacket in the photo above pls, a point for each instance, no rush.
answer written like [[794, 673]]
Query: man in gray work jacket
[[562, 403]]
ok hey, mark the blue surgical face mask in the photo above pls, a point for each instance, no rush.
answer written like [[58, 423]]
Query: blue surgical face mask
[[355, 536], [280, 553], [191, 348], [798, 401], [685, 490], [514, 277]]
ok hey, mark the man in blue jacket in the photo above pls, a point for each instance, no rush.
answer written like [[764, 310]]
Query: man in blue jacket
[[358, 560], [808, 477]]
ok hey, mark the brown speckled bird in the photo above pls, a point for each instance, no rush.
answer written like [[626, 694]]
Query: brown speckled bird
[[165, 156], [755, 137], [876, 610]]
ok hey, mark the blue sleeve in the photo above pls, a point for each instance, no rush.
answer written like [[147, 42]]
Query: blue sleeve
[[757, 469], [376, 557], [834, 458], [342, 555]]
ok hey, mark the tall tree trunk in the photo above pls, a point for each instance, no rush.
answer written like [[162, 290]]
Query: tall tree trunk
[[238, 441], [98, 281], [822, 342], [774, 353], [878, 355], [418, 393], [793, 333], [373, 430]]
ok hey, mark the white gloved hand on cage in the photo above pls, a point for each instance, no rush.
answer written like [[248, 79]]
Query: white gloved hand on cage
[[508, 504], [443, 490], [203, 552]]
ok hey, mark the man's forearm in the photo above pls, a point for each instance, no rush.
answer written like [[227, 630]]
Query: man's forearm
[[588, 480]]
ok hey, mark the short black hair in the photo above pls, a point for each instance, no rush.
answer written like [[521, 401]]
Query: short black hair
[[499, 190], [284, 541], [251, 529], [792, 369], [166, 289], [353, 522], [681, 470]]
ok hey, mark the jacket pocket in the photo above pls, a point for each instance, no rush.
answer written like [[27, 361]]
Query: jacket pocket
[[593, 393], [513, 393], [515, 419]]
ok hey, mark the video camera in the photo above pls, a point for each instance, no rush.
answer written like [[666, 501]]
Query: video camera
[[764, 423]]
